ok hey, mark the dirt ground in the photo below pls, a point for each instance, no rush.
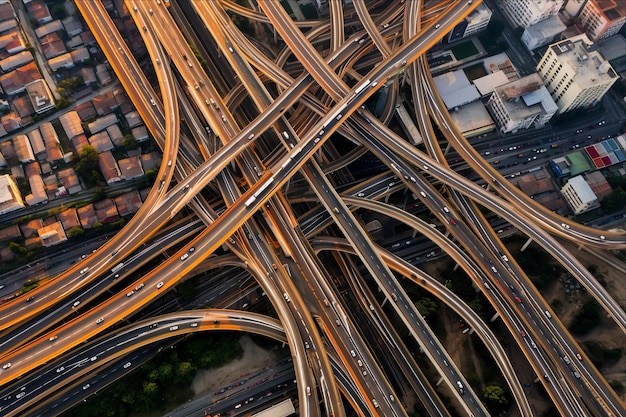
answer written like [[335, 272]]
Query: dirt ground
[[463, 349], [254, 359]]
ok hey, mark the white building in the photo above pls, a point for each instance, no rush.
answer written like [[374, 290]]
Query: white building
[[529, 12], [475, 22], [521, 104], [601, 19], [579, 195], [573, 7], [542, 33], [10, 197], [455, 89], [575, 73]]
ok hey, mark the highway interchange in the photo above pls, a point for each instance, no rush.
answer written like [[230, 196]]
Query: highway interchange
[[246, 145]]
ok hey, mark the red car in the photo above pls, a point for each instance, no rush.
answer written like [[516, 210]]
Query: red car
[[523, 333], [579, 356], [452, 221], [518, 299]]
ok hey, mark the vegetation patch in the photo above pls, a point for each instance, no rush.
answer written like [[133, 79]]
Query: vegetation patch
[[152, 383], [464, 50]]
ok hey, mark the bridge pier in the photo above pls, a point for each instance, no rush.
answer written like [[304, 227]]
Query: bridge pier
[[526, 245]]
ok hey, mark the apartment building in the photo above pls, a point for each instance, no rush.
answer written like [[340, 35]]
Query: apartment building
[[575, 73], [579, 195], [475, 22], [602, 18], [523, 13], [521, 104]]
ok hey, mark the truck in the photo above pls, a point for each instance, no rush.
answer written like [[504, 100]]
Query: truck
[[117, 267]]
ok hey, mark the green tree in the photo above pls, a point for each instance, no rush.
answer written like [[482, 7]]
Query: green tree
[[58, 12], [426, 306], [165, 373], [479, 308], [185, 372], [75, 231], [129, 142], [87, 166], [495, 398], [18, 249]]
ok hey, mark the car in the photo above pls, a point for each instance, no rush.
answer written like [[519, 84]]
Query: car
[[576, 374], [360, 195], [374, 399], [353, 353], [160, 284], [308, 390], [602, 237], [53, 338], [94, 358], [452, 222], [487, 153], [238, 406], [579, 356], [31, 298], [496, 162], [61, 369], [446, 209], [185, 256], [82, 271], [423, 194], [566, 360], [517, 299], [100, 320], [86, 386], [522, 333], [140, 286], [130, 293], [173, 328], [274, 266], [6, 365], [126, 365], [1, 286], [437, 26], [76, 303], [306, 345], [194, 324], [20, 395], [191, 249]]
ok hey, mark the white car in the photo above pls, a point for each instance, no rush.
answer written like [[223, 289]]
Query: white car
[[126, 365], [6, 365], [160, 284]]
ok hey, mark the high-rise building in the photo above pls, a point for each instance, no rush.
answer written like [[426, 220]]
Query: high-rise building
[[521, 104], [529, 12], [475, 22], [602, 18], [575, 73]]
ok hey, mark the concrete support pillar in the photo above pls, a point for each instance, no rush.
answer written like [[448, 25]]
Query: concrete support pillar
[[526, 245]]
